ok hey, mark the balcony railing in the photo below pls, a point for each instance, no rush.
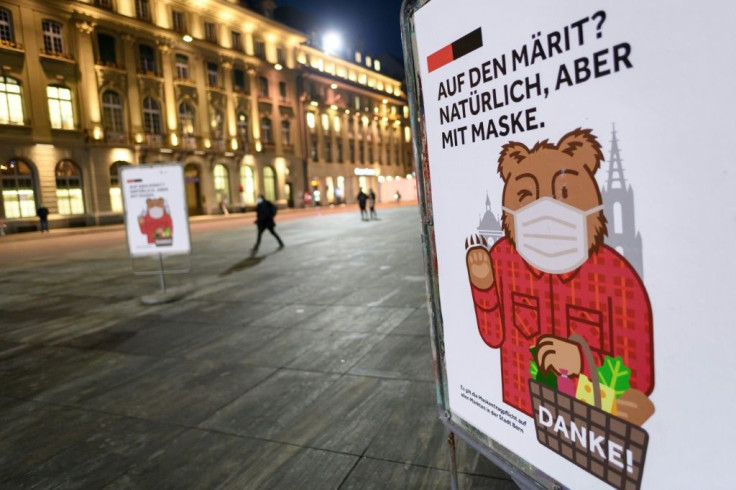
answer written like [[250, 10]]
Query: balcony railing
[[189, 142], [7, 43], [154, 139], [57, 54], [116, 137], [218, 145]]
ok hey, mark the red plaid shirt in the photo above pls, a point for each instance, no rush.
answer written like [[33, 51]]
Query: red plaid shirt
[[603, 300]]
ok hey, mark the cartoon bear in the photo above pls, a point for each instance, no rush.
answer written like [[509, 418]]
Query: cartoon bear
[[156, 222], [552, 276]]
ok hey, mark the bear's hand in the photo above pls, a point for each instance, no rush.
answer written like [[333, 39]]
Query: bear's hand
[[478, 261], [558, 354]]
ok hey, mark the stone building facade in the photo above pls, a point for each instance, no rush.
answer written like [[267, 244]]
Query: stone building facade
[[89, 86]]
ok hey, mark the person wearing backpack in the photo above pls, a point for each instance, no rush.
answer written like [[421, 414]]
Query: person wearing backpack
[[265, 214]]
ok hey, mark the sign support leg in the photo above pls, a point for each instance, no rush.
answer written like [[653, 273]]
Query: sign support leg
[[161, 272], [453, 460]]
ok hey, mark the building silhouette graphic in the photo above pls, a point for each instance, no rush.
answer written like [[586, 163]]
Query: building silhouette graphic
[[618, 206], [489, 225]]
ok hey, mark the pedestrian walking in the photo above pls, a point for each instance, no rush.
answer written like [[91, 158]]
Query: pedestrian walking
[[372, 203], [43, 217], [265, 214], [362, 198]]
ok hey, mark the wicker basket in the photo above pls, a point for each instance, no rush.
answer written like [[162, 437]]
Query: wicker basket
[[617, 459]]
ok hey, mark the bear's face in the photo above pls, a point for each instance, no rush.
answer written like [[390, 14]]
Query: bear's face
[[155, 207], [564, 172]]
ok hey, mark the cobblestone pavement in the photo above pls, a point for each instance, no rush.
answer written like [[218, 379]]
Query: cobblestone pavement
[[307, 367]]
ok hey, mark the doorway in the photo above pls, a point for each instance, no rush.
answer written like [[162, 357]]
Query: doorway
[[194, 194]]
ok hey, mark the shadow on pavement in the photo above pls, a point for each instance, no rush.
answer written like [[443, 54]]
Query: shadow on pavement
[[250, 261]]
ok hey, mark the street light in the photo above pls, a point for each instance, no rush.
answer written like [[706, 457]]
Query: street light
[[331, 43]]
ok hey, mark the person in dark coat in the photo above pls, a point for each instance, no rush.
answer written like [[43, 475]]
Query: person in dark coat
[[265, 213], [372, 203], [362, 198], [43, 216]]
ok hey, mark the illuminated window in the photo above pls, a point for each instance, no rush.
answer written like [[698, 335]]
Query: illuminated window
[[407, 134], [325, 122], [213, 74], [106, 49], [260, 49], [6, 26], [116, 198], [286, 133], [263, 86], [61, 114], [376, 65], [11, 101], [240, 81], [143, 10], [53, 42], [314, 152], [186, 119], [112, 115], [69, 195], [217, 123], [242, 128], [362, 79], [18, 184], [210, 32], [151, 116], [237, 41], [336, 123], [182, 67], [178, 21], [247, 182], [147, 59], [282, 92], [328, 149], [358, 57], [269, 183], [222, 183], [368, 61], [310, 120], [266, 136]]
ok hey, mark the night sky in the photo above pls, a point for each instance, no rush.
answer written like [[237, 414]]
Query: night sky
[[372, 23]]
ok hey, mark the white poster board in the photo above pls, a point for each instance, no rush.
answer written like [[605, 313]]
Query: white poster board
[[156, 218], [582, 193]]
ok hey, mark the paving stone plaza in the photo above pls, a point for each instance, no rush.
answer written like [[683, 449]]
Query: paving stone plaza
[[308, 367]]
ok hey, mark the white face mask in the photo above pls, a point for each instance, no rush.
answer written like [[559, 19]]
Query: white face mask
[[260, 200], [156, 212], [551, 235]]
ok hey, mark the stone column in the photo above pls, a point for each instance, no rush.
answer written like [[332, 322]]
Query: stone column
[[231, 134], [164, 46], [90, 102], [134, 96], [255, 120]]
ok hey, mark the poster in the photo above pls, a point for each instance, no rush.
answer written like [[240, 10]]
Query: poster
[[156, 219], [582, 195]]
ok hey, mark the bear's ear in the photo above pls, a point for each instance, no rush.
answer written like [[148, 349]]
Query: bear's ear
[[583, 146], [149, 201], [512, 154]]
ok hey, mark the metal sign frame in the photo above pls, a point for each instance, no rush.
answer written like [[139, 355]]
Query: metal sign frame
[[525, 474], [161, 271]]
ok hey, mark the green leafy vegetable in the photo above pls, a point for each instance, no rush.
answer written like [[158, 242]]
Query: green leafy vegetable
[[615, 374], [533, 369], [548, 379]]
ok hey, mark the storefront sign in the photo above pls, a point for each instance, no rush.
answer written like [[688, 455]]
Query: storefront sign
[[156, 219], [580, 216]]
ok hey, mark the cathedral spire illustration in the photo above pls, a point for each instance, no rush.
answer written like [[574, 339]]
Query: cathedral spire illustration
[[618, 203]]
